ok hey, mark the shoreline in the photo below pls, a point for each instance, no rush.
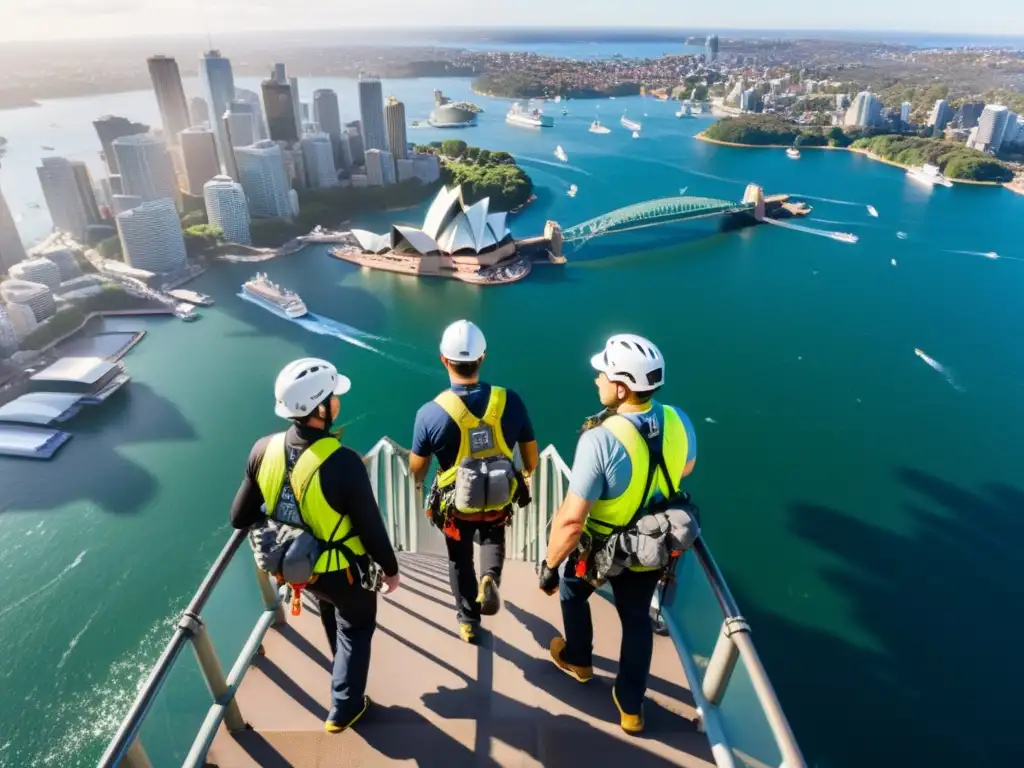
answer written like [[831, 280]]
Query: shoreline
[[857, 151]]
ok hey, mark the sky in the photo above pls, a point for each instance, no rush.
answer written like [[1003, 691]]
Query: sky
[[57, 19]]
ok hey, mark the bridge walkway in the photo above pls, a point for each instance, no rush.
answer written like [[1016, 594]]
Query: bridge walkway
[[440, 702]]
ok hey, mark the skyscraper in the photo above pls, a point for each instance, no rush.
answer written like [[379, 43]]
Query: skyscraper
[[905, 108], [865, 110], [252, 98], [199, 109], [226, 208], [199, 152], [219, 82], [327, 114], [293, 83], [109, 128], [240, 126], [318, 153], [355, 141], [394, 116], [36, 270], [11, 249], [277, 101], [151, 237], [940, 115], [262, 175], [86, 191], [711, 47], [371, 113], [991, 126], [8, 336], [170, 96], [60, 188], [380, 167], [146, 167]]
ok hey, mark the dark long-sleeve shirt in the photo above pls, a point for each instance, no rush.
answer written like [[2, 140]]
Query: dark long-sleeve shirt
[[346, 487]]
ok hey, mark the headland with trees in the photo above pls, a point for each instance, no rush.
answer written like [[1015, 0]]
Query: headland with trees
[[482, 173]]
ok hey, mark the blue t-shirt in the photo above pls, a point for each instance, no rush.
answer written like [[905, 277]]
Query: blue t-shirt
[[436, 434], [601, 468]]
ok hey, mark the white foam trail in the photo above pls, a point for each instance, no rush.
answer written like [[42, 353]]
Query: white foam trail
[[75, 639], [799, 228], [901, 235], [939, 368], [554, 165], [825, 199], [709, 420], [841, 223], [67, 569]]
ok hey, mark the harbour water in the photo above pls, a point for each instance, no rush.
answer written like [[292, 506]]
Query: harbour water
[[866, 511]]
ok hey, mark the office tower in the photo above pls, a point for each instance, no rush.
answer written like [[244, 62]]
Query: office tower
[[239, 127], [940, 115], [968, 115], [278, 74], [109, 128], [355, 140], [122, 203], [199, 110], [22, 318], [60, 188], [304, 111], [295, 167], [244, 96], [344, 152], [318, 154], [327, 114], [748, 100], [905, 108], [371, 114], [394, 116], [170, 95], [711, 47], [37, 270], [428, 167], [38, 297], [151, 237], [380, 167], [262, 175], [226, 208], [146, 167], [991, 126], [86, 191], [8, 336], [65, 262], [11, 249], [199, 152], [865, 110], [219, 83], [293, 83], [277, 101]]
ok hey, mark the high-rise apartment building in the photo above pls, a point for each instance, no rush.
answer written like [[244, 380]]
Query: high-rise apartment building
[[37, 270], [240, 126], [219, 83], [318, 154], [199, 110], [60, 188], [36, 296], [146, 167], [380, 167], [11, 249], [711, 47], [355, 142], [277, 101], [866, 110], [151, 237], [293, 83], [394, 118], [121, 203], [968, 115], [227, 208], [940, 115], [170, 96], [109, 128], [252, 98], [86, 191], [991, 126], [199, 153], [328, 116], [371, 114], [905, 108], [262, 175]]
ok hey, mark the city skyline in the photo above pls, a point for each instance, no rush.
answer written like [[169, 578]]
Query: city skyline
[[85, 19]]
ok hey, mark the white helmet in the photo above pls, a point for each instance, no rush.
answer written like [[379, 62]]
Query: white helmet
[[632, 361], [463, 342], [305, 383]]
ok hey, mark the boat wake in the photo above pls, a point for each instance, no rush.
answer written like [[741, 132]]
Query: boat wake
[[36, 592], [75, 639], [540, 161], [811, 231], [987, 254], [935, 365], [827, 200]]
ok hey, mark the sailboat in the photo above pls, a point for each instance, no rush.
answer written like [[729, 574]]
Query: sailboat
[[560, 154]]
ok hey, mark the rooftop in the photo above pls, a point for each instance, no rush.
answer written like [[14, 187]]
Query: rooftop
[[80, 370], [41, 408], [31, 442]]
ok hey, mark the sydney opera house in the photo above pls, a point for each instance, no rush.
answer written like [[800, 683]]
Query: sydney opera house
[[466, 242]]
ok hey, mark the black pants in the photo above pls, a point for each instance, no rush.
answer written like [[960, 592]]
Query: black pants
[[352, 611], [462, 573]]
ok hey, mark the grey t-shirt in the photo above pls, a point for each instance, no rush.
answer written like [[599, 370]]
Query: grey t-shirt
[[601, 468]]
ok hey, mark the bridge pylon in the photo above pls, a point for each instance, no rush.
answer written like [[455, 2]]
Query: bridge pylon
[[755, 194], [553, 234]]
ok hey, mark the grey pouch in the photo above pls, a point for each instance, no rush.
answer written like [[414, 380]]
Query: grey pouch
[[484, 485]]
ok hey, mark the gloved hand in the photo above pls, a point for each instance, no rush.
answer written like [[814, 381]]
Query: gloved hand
[[548, 578]]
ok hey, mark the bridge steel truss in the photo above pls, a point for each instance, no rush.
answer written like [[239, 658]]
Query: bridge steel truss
[[652, 213]]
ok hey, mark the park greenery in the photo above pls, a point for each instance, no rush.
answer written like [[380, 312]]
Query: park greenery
[[482, 173], [524, 85], [71, 316], [955, 160]]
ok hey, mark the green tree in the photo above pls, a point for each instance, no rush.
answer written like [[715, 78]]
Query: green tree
[[110, 248], [202, 237], [454, 148], [193, 218]]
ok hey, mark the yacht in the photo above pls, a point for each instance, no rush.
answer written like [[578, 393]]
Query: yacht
[[793, 153], [844, 237], [872, 211], [273, 296], [530, 118], [192, 297], [636, 134], [565, 111], [629, 124], [596, 127], [560, 154], [573, 189], [185, 311], [929, 174]]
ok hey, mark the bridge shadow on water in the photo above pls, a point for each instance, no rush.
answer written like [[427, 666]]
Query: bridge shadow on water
[[943, 606], [675, 235]]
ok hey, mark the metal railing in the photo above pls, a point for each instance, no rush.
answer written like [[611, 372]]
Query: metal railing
[[711, 678]]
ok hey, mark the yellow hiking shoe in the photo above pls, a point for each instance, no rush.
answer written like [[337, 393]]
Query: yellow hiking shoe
[[334, 726], [467, 632], [488, 597], [629, 723], [580, 674]]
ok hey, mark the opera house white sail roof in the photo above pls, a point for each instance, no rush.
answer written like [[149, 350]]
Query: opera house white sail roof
[[450, 226]]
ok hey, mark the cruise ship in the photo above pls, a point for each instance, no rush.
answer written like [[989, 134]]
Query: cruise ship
[[273, 296], [929, 174], [530, 118], [629, 124]]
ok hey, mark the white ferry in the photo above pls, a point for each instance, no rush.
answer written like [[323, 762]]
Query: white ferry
[[530, 118], [929, 174], [192, 297], [186, 312], [596, 127], [844, 237], [629, 124], [274, 296], [793, 153]]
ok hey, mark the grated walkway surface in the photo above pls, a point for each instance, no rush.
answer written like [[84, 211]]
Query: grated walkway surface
[[440, 702]]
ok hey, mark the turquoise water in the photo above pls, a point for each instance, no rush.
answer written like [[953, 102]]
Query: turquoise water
[[865, 510]]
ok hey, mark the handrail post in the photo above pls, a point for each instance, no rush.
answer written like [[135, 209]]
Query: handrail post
[[212, 671], [136, 756], [723, 660], [271, 598]]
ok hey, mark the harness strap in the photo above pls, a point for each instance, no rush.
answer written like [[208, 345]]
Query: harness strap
[[457, 409]]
